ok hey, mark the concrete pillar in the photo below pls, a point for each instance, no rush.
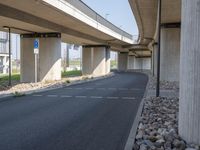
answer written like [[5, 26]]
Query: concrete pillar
[[87, 61], [95, 60], [146, 63], [49, 60], [189, 105], [170, 54], [108, 61], [122, 61], [131, 59], [155, 59], [138, 63], [142, 63]]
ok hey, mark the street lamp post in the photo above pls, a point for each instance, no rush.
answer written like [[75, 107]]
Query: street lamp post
[[159, 45]]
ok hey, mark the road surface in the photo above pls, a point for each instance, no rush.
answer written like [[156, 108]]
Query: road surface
[[97, 115]]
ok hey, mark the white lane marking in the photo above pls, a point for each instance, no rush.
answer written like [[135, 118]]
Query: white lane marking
[[123, 89], [37, 95], [96, 97], [100, 88], [80, 96], [111, 88], [69, 88], [112, 97], [52, 95], [128, 98], [89, 88], [78, 88], [65, 96], [135, 89]]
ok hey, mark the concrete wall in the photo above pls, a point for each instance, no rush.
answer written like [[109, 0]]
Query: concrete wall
[[189, 104], [95, 61], [122, 61], [49, 59], [170, 54], [131, 59]]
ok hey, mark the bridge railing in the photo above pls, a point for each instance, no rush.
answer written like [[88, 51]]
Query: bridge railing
[[95, 16]]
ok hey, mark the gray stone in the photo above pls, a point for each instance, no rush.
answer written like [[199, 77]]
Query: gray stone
[[148, 143], [140, 135], [179, 144], [143, 147]]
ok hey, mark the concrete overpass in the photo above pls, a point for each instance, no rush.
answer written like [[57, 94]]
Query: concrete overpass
[[53, 21], [179, 52]]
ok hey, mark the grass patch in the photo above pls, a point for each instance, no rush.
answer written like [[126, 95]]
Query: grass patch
[[73, 73], [14, 77]]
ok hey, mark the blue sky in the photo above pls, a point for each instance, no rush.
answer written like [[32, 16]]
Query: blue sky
[[119, 11]]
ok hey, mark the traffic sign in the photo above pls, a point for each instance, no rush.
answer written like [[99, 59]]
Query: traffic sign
[[36, 46]]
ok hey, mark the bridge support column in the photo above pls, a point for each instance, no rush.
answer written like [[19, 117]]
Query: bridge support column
[[131, 59], [122, 61], [189, 105], [96, 60], [142, 63], [138, 64], [49, 57], [107, 60], [170, 54]]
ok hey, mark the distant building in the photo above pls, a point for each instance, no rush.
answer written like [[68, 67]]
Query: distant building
[[4, 56]]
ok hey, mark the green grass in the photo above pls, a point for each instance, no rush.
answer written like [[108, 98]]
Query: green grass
[[74, 63], [113, 64], [71, 73], [14, 77]]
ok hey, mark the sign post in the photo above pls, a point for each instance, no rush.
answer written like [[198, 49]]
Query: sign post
[[36, 52]]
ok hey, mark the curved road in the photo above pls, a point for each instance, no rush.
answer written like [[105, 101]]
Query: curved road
[[96, 115]]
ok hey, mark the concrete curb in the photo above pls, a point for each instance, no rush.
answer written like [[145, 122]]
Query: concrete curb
[[131, 138], [59, 87]]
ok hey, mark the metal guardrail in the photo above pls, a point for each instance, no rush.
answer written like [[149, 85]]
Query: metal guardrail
[[95, 16]]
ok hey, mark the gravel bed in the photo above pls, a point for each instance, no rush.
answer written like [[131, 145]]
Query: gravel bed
[[164, 85], [158, 127], [24, 87]]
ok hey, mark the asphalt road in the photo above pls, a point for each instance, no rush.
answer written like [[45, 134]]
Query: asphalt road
[[92, 116]]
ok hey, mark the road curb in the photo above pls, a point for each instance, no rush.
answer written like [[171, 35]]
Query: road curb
[[59, 87], [131, 138]]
